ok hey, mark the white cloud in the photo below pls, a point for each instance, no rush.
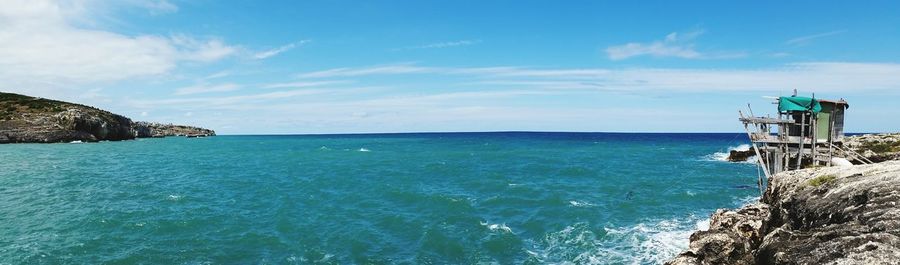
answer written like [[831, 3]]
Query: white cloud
[[674, 45], [303, 84], [228, 102], [40, 46], [206, 88], [803, 40], [154, 6], [817, 76], [439, 45], [269, 53], [385, 69], [522, 98]]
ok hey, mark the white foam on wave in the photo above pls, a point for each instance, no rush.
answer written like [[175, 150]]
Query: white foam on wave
[[723, 156], [173, 197], [364, 150], [741, 201], [580, 204], [497, 227], [651, 242]]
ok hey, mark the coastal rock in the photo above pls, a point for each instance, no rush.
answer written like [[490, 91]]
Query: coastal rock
[[731, 239], [832, 215], [150, 129], [740, 155], [875, 147], [25, 119]]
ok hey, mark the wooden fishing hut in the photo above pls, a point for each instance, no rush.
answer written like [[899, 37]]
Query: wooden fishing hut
[[806, 132]]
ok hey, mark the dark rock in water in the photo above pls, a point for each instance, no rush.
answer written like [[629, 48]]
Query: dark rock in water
[[25, 119], [832, 215], [740, 155]]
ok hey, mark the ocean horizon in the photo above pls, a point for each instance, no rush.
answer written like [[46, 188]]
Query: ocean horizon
[[398, 198]]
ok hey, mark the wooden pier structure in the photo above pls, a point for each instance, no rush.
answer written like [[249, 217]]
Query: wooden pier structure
[[807, 132]]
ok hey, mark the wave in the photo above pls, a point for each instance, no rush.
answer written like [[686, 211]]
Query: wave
[[651, 242], [648, 242], [497, 227], [364, 150], [580, 204], [723, 156]]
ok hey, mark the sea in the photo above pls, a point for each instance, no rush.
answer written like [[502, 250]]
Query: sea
[[412, 198]]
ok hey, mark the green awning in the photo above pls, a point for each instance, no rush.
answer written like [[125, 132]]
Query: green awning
[[795, 103]]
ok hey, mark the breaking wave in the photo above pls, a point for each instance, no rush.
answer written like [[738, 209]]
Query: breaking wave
[[723, 156], [653, 242], [497, 227]]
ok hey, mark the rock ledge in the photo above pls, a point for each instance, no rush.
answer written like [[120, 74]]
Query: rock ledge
[[832, 215]]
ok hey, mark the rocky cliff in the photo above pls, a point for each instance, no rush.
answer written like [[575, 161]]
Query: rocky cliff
[[150, 129], [830, 215], [25, 119]]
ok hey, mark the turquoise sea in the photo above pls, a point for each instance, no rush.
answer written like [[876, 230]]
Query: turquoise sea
[[442, 198]]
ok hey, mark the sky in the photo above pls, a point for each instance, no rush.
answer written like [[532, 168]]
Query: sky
[[299, 67]]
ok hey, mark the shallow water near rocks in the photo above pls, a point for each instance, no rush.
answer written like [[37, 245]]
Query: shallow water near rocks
[[455, 198]]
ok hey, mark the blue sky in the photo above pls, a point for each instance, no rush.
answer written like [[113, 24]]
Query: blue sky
[[246, 67]]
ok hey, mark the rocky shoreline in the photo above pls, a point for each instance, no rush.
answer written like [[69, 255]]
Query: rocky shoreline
[[826, 215], [25, 119]]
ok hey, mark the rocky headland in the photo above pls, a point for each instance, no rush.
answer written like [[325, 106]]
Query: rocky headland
[[151, 129], [824, 215], [25, 119]]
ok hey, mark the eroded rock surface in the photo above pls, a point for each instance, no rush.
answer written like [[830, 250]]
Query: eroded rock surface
[[833, 215], [26, 119]]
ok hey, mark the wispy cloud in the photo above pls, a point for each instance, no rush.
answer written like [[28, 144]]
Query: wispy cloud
[[227, 100], [512, 97], [438, 45], [206, 88], [817, 76], [304, 84], [154, 6], [272, 52], [678, 45], [376, 70], [803, 40]]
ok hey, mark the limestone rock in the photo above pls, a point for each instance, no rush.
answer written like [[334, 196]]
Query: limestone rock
[[832, 215]]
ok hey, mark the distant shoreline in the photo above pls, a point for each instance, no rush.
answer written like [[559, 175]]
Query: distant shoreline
[[26, 119]]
